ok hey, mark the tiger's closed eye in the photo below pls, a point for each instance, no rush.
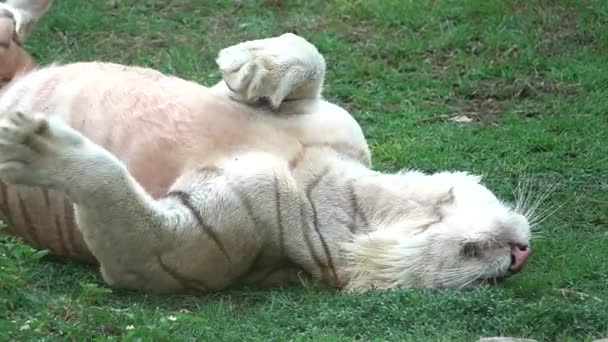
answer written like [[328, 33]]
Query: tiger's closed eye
[[470, 250]]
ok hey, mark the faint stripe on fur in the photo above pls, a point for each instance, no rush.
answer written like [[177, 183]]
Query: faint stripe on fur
[[186, 201], [357, 212], [29, 225], [280, 227], [304, 223], [6, 210], [315, 219], [186, 283], [68, 218]]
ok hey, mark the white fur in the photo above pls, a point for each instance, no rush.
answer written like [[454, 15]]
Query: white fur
[[285, 67], [422, 250], [288, 185]]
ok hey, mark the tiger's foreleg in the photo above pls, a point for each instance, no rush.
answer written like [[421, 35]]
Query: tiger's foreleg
[[165, 245]]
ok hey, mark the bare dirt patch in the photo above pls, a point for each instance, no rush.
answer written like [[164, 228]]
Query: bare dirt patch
[[486, 100]]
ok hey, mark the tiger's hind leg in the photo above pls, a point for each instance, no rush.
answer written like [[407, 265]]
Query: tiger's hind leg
[[185, 242], [275, 69]]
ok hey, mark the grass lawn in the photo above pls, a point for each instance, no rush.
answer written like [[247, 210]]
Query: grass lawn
[[531, 76]]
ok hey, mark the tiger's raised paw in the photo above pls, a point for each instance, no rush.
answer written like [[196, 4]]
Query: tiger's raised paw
[[273, 69], [35, 149]]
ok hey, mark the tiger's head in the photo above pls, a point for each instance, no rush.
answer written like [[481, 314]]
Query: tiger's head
[[445, 231]]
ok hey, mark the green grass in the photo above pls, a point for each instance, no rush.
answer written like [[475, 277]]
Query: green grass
[[532, 75]]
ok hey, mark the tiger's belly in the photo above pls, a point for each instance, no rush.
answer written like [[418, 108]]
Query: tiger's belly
[[159, 126]]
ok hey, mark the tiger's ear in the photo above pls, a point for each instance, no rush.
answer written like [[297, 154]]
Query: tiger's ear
[[26, 14]]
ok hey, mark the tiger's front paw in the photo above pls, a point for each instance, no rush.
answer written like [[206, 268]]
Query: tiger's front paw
[[35, 149], [275, 69]]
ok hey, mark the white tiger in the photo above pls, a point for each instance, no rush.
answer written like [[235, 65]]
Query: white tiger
[[256, 181]]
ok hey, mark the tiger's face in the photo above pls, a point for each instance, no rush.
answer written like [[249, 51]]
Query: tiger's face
[[453, 233], [478, 239]]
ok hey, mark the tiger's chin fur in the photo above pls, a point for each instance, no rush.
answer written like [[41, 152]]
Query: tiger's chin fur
[[174, 187]]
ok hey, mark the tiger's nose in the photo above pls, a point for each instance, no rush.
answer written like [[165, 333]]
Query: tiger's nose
[[519, 256]]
